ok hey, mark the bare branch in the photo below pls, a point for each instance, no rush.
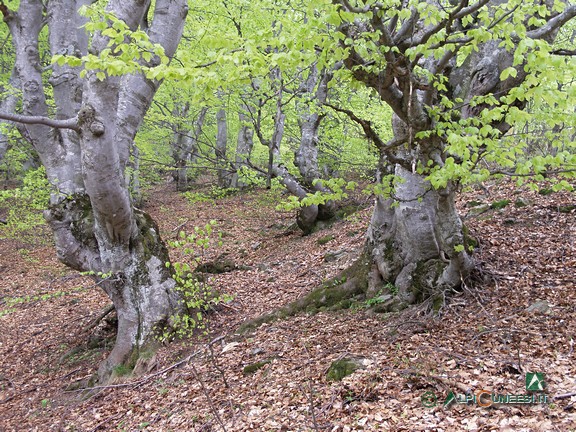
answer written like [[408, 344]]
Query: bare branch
[[554, 23], [564, 52], [58, 124], [370, 132]]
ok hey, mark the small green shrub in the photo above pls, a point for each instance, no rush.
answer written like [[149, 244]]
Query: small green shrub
[[197, 294], [214, 194], [337, 186]]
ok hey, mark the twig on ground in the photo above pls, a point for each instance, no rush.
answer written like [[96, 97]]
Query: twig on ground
[[177, 229], [106, 420], [99, 318], [142, 381], [208, 397], [564, 396]]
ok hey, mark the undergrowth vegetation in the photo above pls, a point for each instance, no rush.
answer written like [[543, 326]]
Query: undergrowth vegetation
[[23, 208]]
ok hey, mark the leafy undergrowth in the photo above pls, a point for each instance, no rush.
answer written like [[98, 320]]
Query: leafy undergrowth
[[520, 319]]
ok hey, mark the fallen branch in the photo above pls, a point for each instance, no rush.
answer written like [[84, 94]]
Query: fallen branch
[[564, 396], [142, 381], [99, 318]]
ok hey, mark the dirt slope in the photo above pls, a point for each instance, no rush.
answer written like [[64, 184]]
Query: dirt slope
[[520, 319]]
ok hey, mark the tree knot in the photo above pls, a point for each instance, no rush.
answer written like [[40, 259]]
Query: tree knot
[[87, 117]]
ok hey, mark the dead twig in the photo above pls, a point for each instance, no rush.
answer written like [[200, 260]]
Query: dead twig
[[177, 229], [208, 397], [142, 381], [99, 318], [215, 361], [564, 396]]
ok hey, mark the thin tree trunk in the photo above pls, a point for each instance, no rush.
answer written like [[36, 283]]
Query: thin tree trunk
[[244, 146], [221, 148], [306, 157], [185, 145]]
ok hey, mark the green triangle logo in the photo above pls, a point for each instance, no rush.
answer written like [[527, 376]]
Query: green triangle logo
[[449, 399], [535, 381]]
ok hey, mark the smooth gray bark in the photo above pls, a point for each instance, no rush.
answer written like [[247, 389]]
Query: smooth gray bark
[[244, 145], [315, 89], [7, 105], [185, 144], [95, 226], [413, 245], [221, 148]]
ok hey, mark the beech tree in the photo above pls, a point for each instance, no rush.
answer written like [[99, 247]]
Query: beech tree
[[85, 148], [457, 75]]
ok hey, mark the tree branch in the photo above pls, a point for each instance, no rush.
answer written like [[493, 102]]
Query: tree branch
[[554, 23], [564, 52], [58, 124], [370, 133]]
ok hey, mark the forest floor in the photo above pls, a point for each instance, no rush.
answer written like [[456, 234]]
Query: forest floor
[[521, 319]]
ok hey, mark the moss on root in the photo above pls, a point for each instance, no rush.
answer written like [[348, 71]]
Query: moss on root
[[338, 293]]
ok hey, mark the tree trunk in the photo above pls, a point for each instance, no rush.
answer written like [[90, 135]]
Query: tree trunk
[[412, 244], [8, 104], [306, 157], [185, 145], [221, 148], [415, 241], [95, 225], [244, 146]]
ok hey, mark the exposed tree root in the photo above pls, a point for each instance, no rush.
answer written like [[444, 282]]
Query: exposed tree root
[[341, 292]]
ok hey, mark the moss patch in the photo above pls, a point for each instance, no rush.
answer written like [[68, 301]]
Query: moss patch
[[497, 205], [252, 368], [342, 368], [323, 240]]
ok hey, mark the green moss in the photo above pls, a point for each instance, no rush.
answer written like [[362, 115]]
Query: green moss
[[218, 266], [497, 205], [346, 211], [121, 370], [342, 368], [567, 208], [470, 243], [323, 240], [545, 191], [338, 293], [389, 251], [473, 203], [437, 303], [252, 368]]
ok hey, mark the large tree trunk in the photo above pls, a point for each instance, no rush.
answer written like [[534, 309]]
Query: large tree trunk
[[415, 240], [95, 225], [412, 243]]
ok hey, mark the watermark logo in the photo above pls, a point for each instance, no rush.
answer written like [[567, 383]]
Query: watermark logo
[[535, 381], [535, 384], [429, 399]]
